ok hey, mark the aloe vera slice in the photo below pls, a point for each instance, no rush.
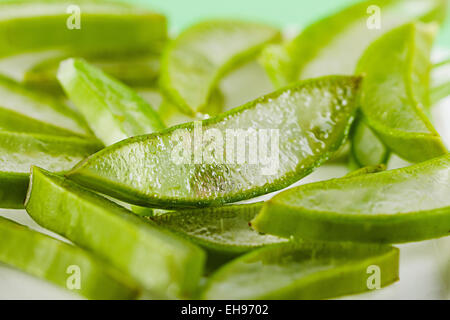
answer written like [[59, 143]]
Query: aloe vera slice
[[401, 205], [27, 110], [195, 61], [303, 271], [306, 123], [334, 44], [366, 170], [105, 27], [137, 70], [395, 92], [440, 82], [222, 230], [113, 111], [160, 261], [19, 151], [52, 260], [367, 149]]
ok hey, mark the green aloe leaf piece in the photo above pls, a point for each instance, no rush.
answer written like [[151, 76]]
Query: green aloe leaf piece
[[221, 230], [113, 111], [367, 149], [55, 261], [401, 205], [217, 160], [366, 170], [25, 110], [395, 92], [104, 27], [137, 70], [440, 82], [19, 151], [201, 55], [162, 262], [304, 271], [334, 44]]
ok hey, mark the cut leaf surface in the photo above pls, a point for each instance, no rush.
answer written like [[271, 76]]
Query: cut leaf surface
[[217, 160], [440, 82], [113, 111], [27, 110], [19, 151], [220, 229], [303, 271], [367, 149], [407, 204], [334, 45]]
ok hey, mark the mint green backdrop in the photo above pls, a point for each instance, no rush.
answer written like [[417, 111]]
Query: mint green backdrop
[[182, 13]]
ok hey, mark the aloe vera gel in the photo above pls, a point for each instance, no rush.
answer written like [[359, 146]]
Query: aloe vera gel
[[154, 170]]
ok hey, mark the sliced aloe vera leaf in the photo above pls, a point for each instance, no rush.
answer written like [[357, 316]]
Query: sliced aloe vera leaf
[[367, 149], [44, 113], [113, 111], [161, 262], [235, 86], [366, 170], [395, 91], [104, 26], [55, 261], [334, 44], [195, 61], [12, 121], [298, 128], [308, 270], [222, 230], [401, 205], [19, 151], [440, 82], [137, 70]]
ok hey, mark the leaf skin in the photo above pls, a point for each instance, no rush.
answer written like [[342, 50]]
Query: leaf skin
[[306, 270], [160, 261], [395, 92], [366, 170], [49, 259], [334, 44], [25, 110], [222, 231], [395, 206], [105, 28], [201, 55], [19, 151], [136, 70], [308, 136], [113, 111], [440, 82], [204, 227]]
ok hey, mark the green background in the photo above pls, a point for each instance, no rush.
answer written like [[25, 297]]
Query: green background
[[282, 13]]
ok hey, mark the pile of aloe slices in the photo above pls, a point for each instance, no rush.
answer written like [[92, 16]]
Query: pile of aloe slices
[[149, 153]]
